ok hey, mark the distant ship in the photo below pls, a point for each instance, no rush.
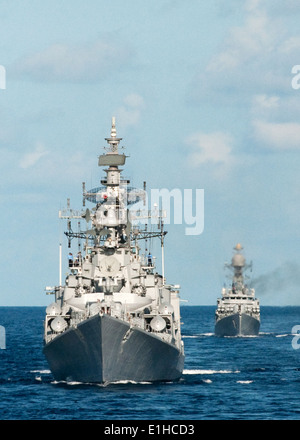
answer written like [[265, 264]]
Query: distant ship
[[116, 318], [238, 311]]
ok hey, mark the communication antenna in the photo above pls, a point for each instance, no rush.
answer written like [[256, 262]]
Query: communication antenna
[[146, 224]]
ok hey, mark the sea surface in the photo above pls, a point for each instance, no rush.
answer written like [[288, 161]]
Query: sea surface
[[248, 378]]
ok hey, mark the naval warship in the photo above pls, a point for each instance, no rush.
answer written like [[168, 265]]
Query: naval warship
[[238, 311], [115, 318]]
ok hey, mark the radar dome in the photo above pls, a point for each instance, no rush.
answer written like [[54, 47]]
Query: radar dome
[[53, 309], [94, 309], [58, 324], [238, 260], [166, 309], [158, 324]]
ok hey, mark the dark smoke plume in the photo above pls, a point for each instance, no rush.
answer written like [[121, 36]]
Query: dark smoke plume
[[281, 279]]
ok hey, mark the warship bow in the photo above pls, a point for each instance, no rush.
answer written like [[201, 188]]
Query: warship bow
[[115, 319], [238, 311]]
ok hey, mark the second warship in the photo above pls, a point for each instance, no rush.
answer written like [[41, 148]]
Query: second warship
[[238, 311], [115, 318]]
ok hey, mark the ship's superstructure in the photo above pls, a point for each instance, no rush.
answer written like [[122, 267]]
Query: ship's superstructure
[[238, 311], [115, 318]]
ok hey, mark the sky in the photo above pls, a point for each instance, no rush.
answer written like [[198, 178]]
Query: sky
[[205, 95]]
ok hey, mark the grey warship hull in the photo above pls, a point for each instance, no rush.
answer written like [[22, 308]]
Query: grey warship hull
[[115, 318], [104, 349], [237, 324]]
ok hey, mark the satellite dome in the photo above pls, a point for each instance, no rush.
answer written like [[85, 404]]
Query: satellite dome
[[58, 324], [166, 309], [53, 309], [158, 324], [238, 260], [94, 308]]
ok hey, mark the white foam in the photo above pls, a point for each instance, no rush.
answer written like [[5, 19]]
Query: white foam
[[105, 384], [117, 382], [197, 336], [244, 381], [209, 371]]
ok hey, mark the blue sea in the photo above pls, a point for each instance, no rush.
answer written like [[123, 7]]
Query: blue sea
[[248, 378]]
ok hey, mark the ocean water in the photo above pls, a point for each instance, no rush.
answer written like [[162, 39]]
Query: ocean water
[[249, 378]]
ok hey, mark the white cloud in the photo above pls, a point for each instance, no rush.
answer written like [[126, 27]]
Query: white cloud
[[252, 72], [129, 112], [255, 58], [252, 4], [290, 45], [278, 136], [275, 109], [88, 62], [282, 8], [255, 38], [213, 147], [30, 159], [266, 102]]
